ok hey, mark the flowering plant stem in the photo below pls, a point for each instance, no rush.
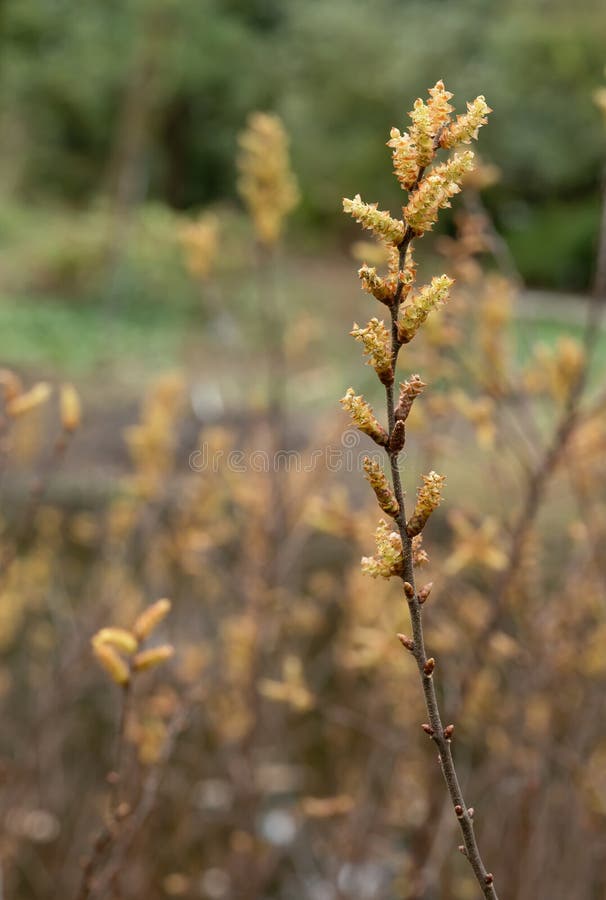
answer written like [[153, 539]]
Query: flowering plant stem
[[430, 187], [442, 742]]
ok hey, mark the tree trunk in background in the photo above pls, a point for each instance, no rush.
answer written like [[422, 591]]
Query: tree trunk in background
[[175, 136]]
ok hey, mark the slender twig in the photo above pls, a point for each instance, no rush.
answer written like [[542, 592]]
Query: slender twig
[[117, 776], [146, 802], [443, 743], [425, 196], [117, 811]]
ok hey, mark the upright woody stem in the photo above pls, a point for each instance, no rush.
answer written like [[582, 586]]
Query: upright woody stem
[[438, 734], [429, 187]]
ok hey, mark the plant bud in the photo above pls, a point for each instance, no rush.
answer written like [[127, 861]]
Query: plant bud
[[148, 659], [363, 416], [22, 404], [428, 729], [118, 637], [448, 732], [113, 664], [150, 618], [397, 438], [381, 487], [378, 221], [424, 592], [458, 811], [429, 666], [406, 642], [71, 410], [409, 391], [409, 590]]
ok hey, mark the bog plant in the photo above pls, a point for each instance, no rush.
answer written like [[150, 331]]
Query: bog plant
[[286, 671], [119, 650], [430, 185]]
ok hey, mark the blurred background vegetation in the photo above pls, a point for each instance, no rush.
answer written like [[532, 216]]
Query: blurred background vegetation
[[119, 126], [119, 120], [139, 102]]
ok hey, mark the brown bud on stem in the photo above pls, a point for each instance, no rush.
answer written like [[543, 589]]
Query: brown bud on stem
[[470, 812], [428, 729], [462, 849], [409, 391], [458, 811], [397, 438], [429, 666], [409, 590], [406, 642], [424, 592], [448, 732], [123, 811], [488, 878]]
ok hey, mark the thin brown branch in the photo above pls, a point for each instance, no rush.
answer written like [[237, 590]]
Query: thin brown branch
[[443, 743]]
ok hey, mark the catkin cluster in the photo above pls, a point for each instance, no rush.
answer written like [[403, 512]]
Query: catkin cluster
[[430, 186], [266, 183], [119, 651]]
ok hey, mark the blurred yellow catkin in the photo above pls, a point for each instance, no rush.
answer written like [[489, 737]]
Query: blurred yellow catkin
[[150, 618], [70, 408], [23, 403], [266, 183]]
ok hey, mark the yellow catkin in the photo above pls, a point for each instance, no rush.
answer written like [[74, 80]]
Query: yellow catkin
[[439, 107], [363, 417], [149, 659], [376, 342], [113, 664], [266, 183], [422, 132], [373, 219], [119, 638], [376, 285], [435, 192], [429, 498], [150, 618], [381, 487], [200, 243], [70, 408], [22, 404], [466, 127], [415, 313], [389, 558]]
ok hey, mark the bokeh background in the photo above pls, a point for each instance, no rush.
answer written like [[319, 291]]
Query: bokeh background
[[279, 754]]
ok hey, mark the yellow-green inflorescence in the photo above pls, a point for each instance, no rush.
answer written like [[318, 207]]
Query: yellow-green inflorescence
[[430, 186], [377, 347], [429, 498], [363, 417], [389, 558]]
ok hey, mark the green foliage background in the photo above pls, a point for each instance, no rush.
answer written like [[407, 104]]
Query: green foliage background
[[340, 73]]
